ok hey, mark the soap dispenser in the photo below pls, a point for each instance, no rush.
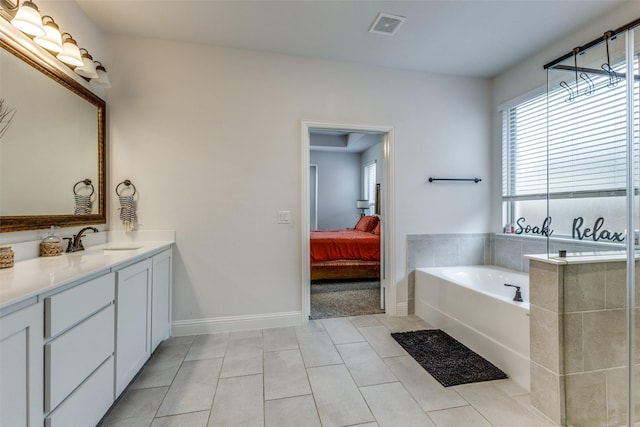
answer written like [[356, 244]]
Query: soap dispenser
[[51, 245]]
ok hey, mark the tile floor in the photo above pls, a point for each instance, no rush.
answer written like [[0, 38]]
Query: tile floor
[[331, 372]]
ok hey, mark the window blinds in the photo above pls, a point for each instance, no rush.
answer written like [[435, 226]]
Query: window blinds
[[586, 142], [370, 185]]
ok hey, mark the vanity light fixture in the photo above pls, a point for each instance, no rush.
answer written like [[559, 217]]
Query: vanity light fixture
[[46, 33], [28, 19], [52, 39], [88, 68], [70, 53], [103, 78]]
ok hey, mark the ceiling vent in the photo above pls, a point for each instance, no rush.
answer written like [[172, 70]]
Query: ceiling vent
[[386, 24]]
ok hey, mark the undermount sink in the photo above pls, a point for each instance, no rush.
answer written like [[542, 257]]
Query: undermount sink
[[121, 248], [109, 250]]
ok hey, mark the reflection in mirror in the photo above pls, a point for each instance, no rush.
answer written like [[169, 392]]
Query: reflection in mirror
[[49, 146], [52, 153]]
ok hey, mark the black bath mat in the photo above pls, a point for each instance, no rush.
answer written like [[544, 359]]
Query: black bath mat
[[447, 360]]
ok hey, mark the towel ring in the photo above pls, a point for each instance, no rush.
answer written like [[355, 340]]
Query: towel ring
[[86, 182], [127, 183]]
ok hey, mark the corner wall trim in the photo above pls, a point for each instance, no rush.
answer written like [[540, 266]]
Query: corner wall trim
[[235, 323], [402, 309]]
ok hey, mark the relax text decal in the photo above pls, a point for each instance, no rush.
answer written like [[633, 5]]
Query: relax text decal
[[578, 230]]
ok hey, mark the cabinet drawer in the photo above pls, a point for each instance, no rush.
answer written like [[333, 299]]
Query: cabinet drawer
[[71, 306], [71, 357], [87, 405]]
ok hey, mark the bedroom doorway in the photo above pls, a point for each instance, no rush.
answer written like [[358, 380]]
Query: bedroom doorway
[[347, 181]]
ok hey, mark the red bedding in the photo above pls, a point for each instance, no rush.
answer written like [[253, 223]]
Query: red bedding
[[328, 245]]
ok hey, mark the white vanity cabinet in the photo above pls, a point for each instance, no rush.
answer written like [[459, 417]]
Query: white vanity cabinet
[[86, 326], [78, 353], [133, 321], [161, 298], [21, 367]]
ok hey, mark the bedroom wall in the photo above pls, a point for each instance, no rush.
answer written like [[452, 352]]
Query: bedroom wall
[[212, 139], [338, 188]]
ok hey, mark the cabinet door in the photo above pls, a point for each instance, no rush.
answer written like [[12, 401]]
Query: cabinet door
[[21, 369], [133, 321], [161, 297]]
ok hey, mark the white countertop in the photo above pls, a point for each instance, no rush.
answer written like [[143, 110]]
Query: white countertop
[[31, 279]]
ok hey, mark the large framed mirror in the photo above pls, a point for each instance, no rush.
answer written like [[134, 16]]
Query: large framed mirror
[[52, 153]]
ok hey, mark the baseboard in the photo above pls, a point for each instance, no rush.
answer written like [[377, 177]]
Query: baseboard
[[402, 309], [235, 323]]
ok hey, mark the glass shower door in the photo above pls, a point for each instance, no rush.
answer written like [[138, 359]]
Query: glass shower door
[[592, 206]]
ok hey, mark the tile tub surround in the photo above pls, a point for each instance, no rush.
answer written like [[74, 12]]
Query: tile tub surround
[[510, 250], [444, 250], [502, 250], [578, 340]]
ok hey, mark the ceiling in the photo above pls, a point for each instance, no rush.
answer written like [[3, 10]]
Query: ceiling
[[477, 38], [342, 141]]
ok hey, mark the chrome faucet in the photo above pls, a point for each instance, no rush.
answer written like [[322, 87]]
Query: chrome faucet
[[518, 296], [75, 242]]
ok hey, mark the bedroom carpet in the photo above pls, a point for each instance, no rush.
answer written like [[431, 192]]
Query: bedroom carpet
[[343, 299], [446, 359]]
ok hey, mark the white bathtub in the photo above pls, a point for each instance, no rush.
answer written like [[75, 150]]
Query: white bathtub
[[472, 305]]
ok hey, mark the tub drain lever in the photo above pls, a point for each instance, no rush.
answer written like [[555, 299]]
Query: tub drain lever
[[518, 296]]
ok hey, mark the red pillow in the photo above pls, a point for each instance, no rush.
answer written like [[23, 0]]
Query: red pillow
[[367, 223], [376, 229]]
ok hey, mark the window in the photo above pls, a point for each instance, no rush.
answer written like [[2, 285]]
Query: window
[[582, 169], [370, 186]]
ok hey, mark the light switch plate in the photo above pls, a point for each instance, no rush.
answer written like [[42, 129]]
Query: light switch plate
[[284, 217]]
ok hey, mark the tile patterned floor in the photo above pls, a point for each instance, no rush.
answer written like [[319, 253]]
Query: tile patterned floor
[[331, 372]]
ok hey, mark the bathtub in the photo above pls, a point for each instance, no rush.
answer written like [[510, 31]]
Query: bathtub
[[472, 305]]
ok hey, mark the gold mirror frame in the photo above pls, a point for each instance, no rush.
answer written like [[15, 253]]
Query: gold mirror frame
[[35, 222]]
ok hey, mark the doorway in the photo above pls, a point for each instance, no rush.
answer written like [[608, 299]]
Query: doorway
[[379, 201]]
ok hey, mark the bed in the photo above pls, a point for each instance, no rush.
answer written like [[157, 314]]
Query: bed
[[347, 254]]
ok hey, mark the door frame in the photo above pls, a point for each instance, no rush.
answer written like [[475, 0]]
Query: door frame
[[388, 266], [315, 194]]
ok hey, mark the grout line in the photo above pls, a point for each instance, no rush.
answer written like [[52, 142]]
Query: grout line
[[306, 369]]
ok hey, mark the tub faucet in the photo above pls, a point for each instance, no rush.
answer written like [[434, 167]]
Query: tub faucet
[[75, 242], [518, 296]]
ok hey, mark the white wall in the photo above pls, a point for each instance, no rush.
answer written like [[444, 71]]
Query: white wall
[[530, 77], [211, 138], [338, 188]]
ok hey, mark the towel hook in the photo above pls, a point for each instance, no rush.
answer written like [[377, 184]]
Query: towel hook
[[126, 183], [591, 86], [565, 85], [613, 76]]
